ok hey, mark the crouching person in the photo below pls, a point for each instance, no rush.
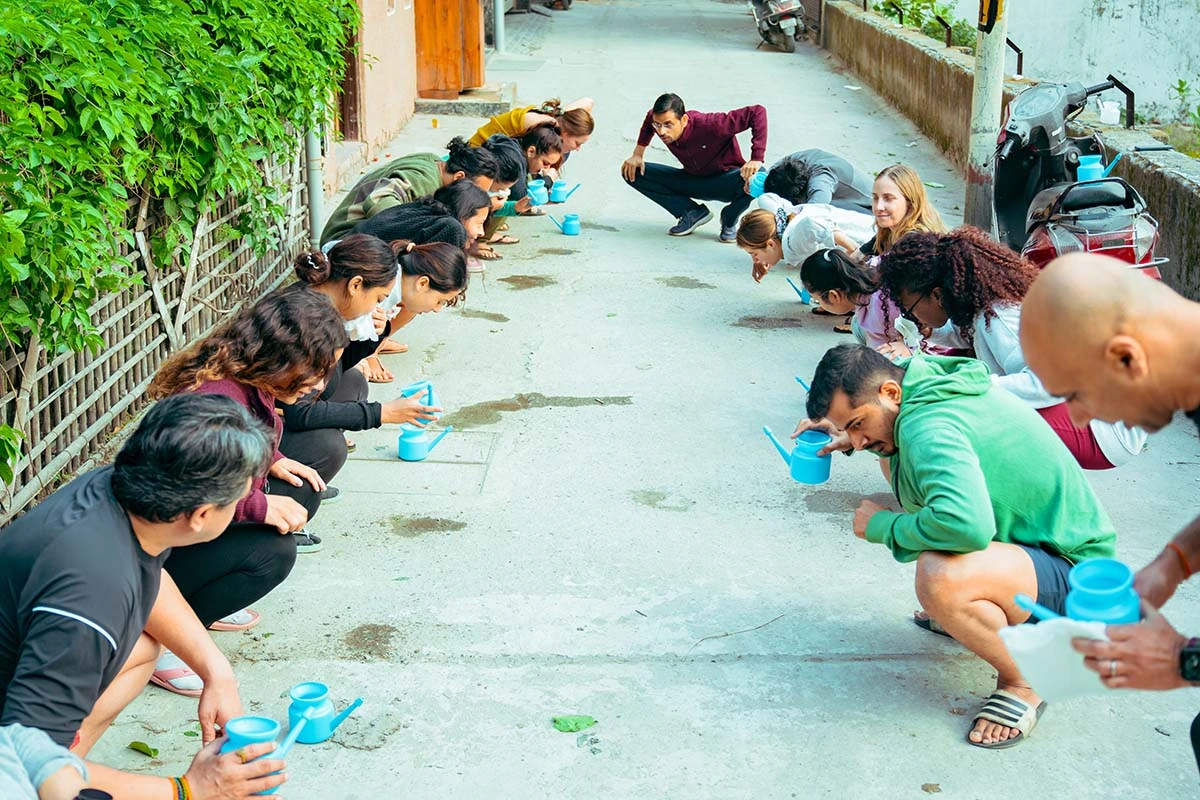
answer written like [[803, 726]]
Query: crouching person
[[85, 605], [994, 503]]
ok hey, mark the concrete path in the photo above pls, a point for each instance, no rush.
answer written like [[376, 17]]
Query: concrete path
[[608, 512]]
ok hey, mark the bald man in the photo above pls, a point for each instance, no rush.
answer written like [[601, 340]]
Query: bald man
[[1133, 356]]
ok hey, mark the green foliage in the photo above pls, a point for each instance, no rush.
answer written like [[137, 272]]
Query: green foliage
[[102, 101], [920, 14]]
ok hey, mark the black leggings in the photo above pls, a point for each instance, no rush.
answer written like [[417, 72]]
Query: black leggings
[[237, 568]]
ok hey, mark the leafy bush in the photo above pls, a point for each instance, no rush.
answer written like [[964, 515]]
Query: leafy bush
[[103, 102], [920, 14]]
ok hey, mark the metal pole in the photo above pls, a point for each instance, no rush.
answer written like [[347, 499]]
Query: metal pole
[[498, 25], [316, 187], [985, 122]]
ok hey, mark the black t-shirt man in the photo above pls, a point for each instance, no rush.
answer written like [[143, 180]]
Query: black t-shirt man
[[76, 590]]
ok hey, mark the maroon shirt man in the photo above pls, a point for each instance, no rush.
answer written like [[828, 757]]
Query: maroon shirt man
[[712, 164]]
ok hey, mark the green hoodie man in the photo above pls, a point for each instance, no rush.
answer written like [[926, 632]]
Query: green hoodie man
[[994, 503], [975, 465]]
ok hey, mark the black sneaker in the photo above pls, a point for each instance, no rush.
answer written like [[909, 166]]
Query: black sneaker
[[728, 234], [690, 221], [331, 494], [307, 542]]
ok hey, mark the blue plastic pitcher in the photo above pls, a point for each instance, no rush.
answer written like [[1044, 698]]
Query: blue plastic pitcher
[[758, 183], [1102, 591], [310, 700], [244, 731], [570, 225], [538, 194], [804, 465], [415, 444], [1090, 168], [559, 193]]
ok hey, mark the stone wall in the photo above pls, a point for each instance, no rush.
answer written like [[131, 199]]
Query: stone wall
[[931, 85]]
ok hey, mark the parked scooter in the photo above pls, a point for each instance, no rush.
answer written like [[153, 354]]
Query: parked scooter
[[1052, 195], [779, 22]]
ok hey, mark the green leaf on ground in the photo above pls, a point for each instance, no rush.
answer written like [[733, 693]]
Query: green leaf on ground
[[192, 734], [612, 314], [935, 185], [573, 723], [144, 748], [402, 578]]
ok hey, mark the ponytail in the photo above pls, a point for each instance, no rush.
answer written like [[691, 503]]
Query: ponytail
[[443, 264]]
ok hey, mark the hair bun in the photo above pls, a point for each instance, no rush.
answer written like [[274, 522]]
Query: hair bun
[[312, 266]]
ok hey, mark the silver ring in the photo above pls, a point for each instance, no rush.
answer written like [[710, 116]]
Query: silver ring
[[1112, 668]]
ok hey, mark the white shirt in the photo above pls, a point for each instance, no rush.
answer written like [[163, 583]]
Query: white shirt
[[998, 344]]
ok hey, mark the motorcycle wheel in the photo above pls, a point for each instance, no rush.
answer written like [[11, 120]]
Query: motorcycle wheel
[[784, 42]]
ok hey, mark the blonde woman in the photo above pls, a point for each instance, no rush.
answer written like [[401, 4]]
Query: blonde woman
[[900, 206]]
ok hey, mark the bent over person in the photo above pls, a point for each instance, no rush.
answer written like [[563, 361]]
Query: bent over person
[[712, 164], [85, 605], [980, 523]]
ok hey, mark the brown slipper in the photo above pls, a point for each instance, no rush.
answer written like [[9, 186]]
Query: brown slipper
[[843, 328], [390, 346], [821, 312]]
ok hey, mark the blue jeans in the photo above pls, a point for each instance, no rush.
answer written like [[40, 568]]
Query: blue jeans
[[677, 191]]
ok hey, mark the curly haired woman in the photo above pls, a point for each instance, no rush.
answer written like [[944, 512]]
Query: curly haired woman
[[977, 284]]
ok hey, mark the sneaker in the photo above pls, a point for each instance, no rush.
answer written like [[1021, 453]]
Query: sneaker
[[728, 234], [690, 221], [331, 494], [307, 542], [726, 222]]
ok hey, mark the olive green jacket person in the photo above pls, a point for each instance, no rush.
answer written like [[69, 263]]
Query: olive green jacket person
[[399, 181]]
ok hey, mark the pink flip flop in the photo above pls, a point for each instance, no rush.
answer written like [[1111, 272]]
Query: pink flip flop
[[242, 620], [163, 678]]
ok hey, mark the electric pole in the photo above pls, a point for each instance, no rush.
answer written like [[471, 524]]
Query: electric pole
[[986, 100]]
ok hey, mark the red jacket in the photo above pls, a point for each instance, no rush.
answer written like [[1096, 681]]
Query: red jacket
[[253, 508], [708, 145]]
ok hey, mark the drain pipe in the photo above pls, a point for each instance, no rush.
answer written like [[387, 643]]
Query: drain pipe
[[498, 25], [316, 188]]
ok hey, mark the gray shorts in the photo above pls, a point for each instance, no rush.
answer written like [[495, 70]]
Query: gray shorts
[[1051, 571]]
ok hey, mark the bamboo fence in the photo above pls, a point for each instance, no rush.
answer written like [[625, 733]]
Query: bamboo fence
[[68, 405]]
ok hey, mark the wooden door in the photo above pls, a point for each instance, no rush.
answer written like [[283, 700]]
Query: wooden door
[[473, 44], [439, 48]]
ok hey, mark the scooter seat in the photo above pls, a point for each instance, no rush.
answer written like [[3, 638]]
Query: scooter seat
[[1090, 194]]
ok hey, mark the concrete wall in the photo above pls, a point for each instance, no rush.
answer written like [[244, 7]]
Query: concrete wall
[[389, 72], [387, 89], [1085, 40], [928, 82], [932, 85]]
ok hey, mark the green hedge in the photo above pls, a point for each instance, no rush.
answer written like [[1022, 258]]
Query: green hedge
[[102, 101]]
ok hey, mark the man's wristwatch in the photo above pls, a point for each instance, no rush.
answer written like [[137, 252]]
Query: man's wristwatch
[[1189, 661]]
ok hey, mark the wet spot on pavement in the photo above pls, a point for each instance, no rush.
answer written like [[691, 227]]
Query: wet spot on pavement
[[488, 413], [522, 282], [412, 527], [652, 498], [370, 642], [827, 501], [684, 282], [471, 313], [769, 323], [556, 251], [596, 226]]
